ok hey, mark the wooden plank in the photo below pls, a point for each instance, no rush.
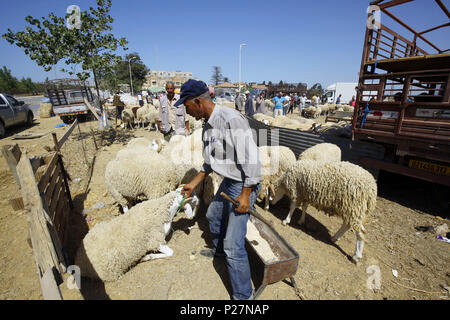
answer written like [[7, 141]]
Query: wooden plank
[[91, 108], [50, 289], [17, 204], [48, 173], [12, 155], [55, 198], [60, 216], [24, 136], [67, 134], [49, 189], [44, 246]]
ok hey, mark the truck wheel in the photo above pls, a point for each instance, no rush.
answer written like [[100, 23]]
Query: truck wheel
[[29, 119], [67, 119], [2, 130]]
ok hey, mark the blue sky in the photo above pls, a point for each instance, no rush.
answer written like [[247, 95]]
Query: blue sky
[[294, 41]]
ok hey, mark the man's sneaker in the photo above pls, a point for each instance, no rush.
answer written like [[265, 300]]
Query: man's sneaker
[[211, 253]]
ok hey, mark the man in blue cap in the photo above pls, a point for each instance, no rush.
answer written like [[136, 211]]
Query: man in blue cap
[[230, 151]]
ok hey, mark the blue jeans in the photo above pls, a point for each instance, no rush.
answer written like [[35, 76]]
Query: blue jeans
[[228, 228]]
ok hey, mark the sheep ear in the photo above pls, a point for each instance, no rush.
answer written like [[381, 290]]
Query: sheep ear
[[271, 190]]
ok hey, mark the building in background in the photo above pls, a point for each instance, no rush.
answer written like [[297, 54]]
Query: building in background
[[158, 78]]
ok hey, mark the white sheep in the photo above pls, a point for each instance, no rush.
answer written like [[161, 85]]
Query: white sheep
[[328, 152], [110, 248], [264, 118], [138, 142], [152, 117], [128, 118], [140, 174], [313, 112], [342, 189], [275, 160]]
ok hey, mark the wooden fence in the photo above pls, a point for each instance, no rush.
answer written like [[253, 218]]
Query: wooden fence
[[46, 198]]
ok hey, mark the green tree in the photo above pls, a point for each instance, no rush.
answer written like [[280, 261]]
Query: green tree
[[139, 71], [217, 76], [8, 83], [28, 85], [92, 45], [316, 89]]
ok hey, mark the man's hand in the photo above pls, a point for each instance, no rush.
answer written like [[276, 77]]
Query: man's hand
[[188, 189], [244, 200]]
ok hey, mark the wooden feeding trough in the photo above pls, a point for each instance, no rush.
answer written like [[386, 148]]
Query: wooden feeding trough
[[271, 258], [266, 272]]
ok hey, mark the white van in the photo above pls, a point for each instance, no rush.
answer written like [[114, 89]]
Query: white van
[[346, 89]]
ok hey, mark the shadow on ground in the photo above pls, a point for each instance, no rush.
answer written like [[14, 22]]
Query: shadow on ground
[[416, 194]]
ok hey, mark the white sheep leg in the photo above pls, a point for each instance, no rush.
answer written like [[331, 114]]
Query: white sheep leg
[[340, 232], [125, 209], [303, 217], [359, 247], [289, 216], [266, 198], [165, 252]]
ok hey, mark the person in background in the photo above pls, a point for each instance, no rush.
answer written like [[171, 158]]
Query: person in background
[[338, 100], [279, 102], [119, 105], [249, 110], [260, 104], [141, 101], [352, 102], [238, 101], [302, 104], [285, 104], [145, 95], [173, 120], [291, 105], [296, 97]]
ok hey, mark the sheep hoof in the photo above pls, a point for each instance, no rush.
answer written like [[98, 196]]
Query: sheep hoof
[[356, 260], [285, 222]]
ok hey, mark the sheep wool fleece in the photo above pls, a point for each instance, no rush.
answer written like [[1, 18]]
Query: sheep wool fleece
[[337, 188], [111, 247]]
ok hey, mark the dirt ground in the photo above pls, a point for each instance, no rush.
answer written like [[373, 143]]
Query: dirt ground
[[325, 272]]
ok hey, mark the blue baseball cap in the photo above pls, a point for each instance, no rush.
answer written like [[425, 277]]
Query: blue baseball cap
[[190, 89]]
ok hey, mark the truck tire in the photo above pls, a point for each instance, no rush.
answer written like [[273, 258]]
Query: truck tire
[[67, 119], [2, 130]]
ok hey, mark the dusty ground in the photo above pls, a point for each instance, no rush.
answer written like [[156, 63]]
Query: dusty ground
[[324, 272]]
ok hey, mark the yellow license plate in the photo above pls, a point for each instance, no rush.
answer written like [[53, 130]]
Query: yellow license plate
[[430, 167]]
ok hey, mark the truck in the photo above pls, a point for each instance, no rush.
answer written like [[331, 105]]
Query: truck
[[346, 89], [67, 97], [13, 112], [403, 98]]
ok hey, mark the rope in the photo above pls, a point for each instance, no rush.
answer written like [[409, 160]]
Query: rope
[[366, 112]]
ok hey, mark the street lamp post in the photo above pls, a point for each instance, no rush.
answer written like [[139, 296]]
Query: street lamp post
[[240, 63], [131, 78]]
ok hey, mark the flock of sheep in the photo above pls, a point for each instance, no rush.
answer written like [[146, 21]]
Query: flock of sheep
[[153, 172]]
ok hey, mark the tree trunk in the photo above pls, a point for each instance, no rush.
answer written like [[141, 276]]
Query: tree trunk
[[98, 91]]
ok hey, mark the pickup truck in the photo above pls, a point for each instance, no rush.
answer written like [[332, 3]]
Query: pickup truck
[[67, 97], [13, 112]]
